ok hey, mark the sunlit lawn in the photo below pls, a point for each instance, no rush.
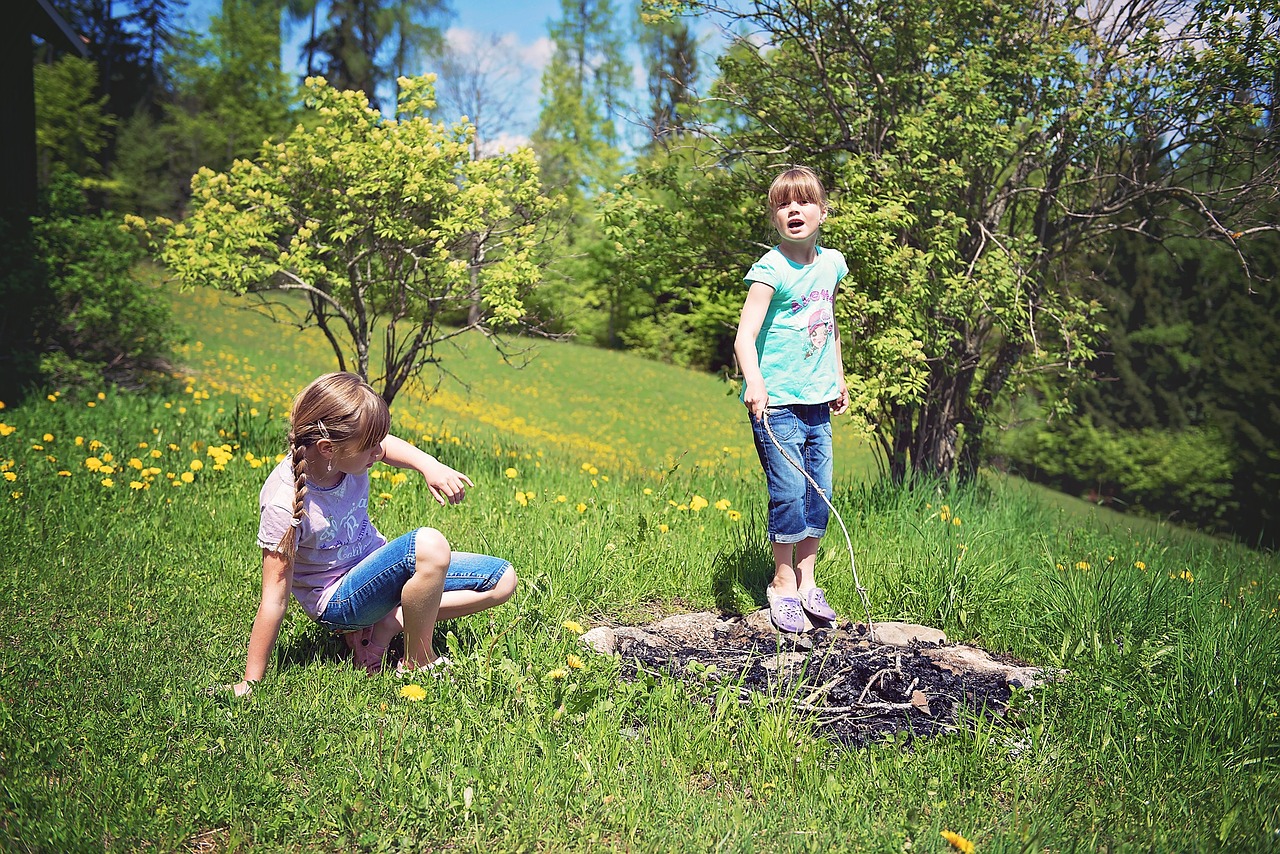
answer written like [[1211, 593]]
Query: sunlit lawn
[[130, 578]]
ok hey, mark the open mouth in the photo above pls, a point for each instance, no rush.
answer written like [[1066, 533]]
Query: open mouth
[[795, 223]]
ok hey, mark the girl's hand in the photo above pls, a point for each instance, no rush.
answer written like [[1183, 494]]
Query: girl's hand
[[447, 485], [841, 404], [756, 399]]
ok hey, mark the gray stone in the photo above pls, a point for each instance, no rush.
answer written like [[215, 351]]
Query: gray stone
[[902, 634], [601, 639]]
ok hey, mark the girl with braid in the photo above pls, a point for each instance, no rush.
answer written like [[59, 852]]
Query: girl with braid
[[318, 543]]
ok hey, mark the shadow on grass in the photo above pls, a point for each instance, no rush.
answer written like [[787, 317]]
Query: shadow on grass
[[739, 577]]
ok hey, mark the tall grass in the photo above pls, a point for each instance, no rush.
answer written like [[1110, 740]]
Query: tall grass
[[122, 603]]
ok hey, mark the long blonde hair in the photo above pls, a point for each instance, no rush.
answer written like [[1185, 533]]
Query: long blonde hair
[[342, 408]]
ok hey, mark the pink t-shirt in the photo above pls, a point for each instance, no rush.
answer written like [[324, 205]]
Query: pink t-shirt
[[334, 536]]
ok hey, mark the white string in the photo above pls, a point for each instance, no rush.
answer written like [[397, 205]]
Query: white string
[[862, 591]]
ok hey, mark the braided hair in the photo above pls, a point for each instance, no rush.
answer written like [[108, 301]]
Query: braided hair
[[342, 408]]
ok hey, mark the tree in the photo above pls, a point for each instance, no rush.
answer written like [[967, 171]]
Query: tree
[[975, 150], [72, 128], [350, 52], [374, 222], [577, 137], [230, 92], [482, 80], [669, 51]]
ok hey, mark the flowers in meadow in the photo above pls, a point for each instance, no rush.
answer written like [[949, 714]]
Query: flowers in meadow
[[697, 503], [574, 662], [556, 674], [511, 473], [958, 842], [413, 692], [572, 626]]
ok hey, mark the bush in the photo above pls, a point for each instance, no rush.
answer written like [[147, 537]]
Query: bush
[[1183, 475]]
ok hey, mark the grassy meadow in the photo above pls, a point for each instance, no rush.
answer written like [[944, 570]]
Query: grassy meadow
[[621, 490]]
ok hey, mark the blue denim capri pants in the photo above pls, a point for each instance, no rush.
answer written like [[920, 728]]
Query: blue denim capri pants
[[371, 589], [796, 510]]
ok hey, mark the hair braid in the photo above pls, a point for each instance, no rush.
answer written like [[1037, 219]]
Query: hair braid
[[289, 542]]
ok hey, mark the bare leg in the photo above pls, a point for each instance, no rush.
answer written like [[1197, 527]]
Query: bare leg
[[420, 597], [784, 572], [460, 603], [806, 559]]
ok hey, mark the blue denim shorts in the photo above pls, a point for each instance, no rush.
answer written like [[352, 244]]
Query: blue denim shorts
[[371, 589], [796, 510]]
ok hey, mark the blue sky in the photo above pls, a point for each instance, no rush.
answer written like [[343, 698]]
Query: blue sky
[[525, 48]]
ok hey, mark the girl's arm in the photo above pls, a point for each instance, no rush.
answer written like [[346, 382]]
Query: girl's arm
[[841, 404], [445, 483], [756, 397], [277, 579]]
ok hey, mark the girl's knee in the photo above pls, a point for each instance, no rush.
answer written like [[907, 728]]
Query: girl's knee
[[431, 549], [506, 585]]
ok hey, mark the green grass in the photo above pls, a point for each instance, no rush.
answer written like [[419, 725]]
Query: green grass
[[121, 606]]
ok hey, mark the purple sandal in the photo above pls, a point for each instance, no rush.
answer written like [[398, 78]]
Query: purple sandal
[[814, 601], [786, 612]]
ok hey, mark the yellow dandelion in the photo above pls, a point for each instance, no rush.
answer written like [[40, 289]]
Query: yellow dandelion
[[10, 476], [188, 477], [580, 507], [136, 484], [108, 482], [1140, 565], [47, 437], [573, 626], [958, 842], [196, 465], [648, 491], [663, 528], [64, 473], [574, 662], [955, 520], [37, 447], [52, 398], [413, 692], [734, 515], [723, 504], [385, 496], [561, 499], [697, 503], [511, 473], [135, 463], [522, 499], [15, 495], [107, 470], [101, 396], [556, 674], [79, 441], [108, 457], [1082, 565]]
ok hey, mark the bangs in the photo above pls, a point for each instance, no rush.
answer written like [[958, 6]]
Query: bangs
[[797, 185], [373, 421]]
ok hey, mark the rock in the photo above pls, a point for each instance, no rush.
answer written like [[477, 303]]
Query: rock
[[965, 659], [601, 639], [902, 634], [920, 700], [693, 629]]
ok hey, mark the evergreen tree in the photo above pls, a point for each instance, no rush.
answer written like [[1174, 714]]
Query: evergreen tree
[[669, 51], [577, 135]]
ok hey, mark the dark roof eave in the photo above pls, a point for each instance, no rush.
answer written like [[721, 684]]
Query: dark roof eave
[[45, 22]]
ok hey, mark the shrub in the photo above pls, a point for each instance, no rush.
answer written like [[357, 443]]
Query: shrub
[[1184, 475], [99, 323]]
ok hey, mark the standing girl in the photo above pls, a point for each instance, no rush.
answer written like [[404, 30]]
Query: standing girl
[[318, 543], [788, 349]]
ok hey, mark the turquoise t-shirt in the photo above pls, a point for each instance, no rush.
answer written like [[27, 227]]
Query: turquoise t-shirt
[[795, 347]]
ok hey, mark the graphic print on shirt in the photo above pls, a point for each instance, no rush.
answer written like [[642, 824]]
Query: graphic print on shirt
[[820, 328]]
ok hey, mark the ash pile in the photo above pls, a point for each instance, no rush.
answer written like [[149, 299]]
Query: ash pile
[[855, 685]]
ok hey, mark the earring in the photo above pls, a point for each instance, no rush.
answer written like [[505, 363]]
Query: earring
[[329, 468]]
